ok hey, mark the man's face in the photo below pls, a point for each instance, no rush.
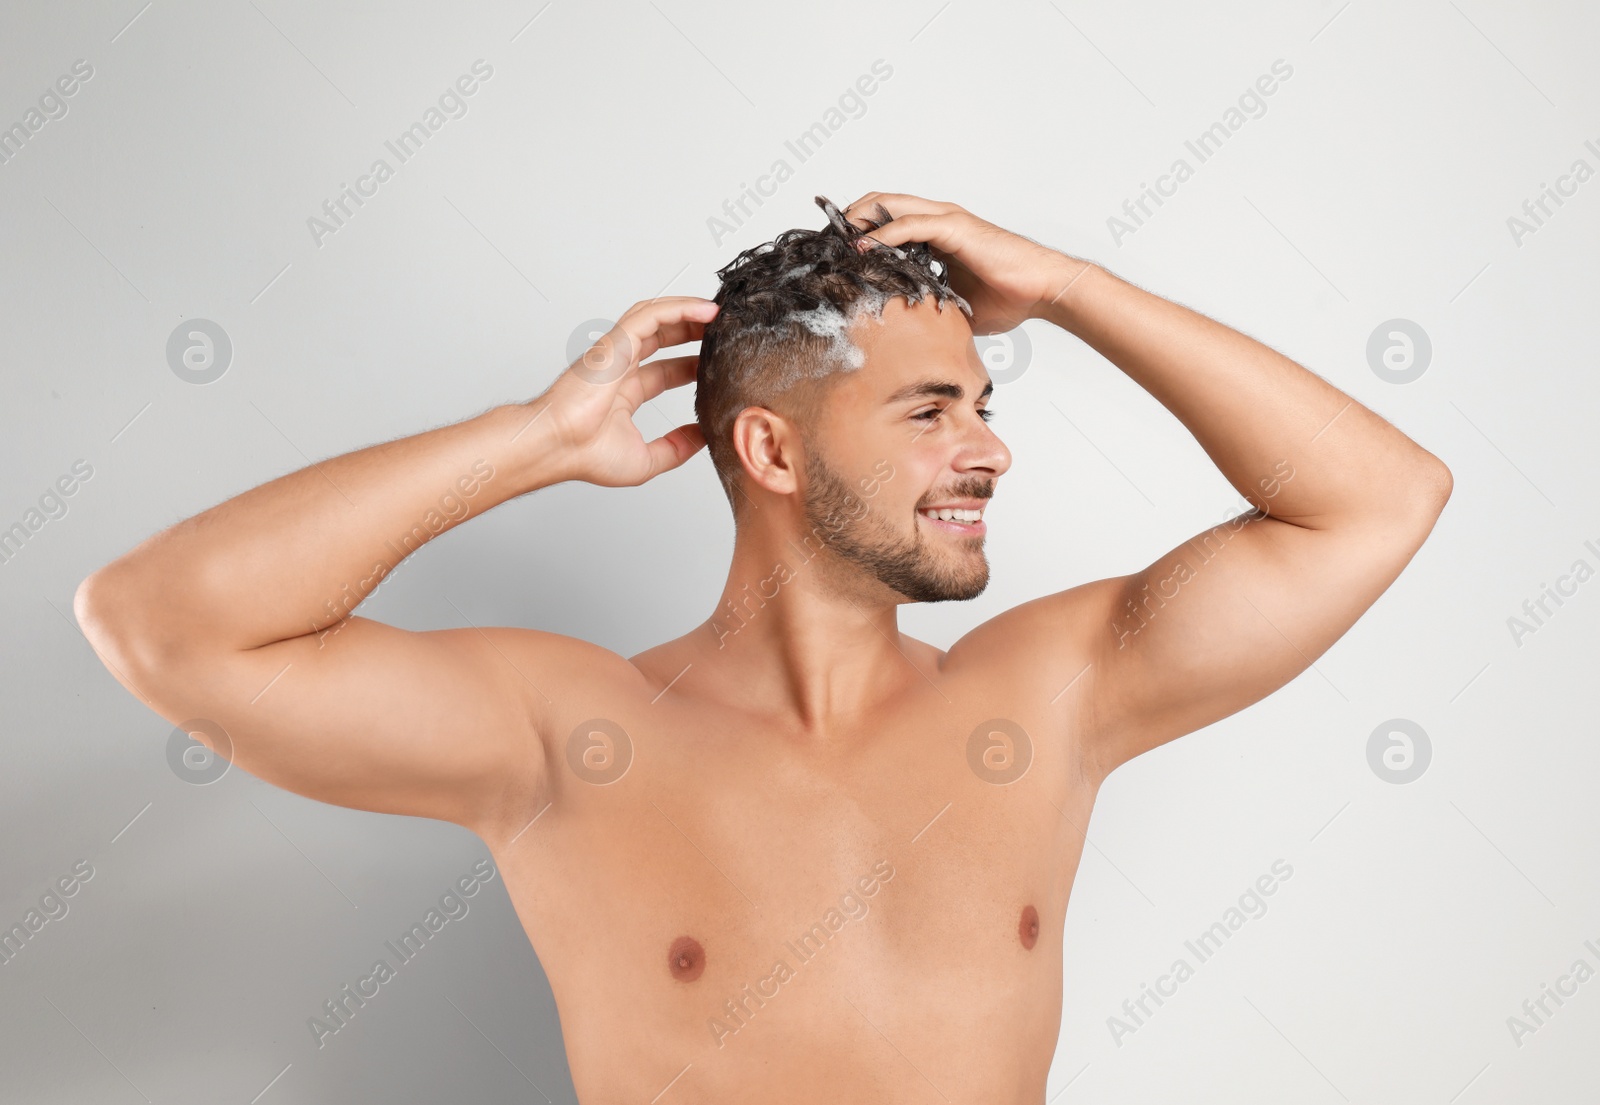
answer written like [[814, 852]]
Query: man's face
[[902, 435]]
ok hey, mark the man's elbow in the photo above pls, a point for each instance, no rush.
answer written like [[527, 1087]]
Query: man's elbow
[[1419, 500], [1435, 484], [110, 619], [89, 603]]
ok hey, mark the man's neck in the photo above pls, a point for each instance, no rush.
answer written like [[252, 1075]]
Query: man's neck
[[808, 640]]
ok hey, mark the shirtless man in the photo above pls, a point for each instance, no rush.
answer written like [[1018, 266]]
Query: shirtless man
[[794, 855]]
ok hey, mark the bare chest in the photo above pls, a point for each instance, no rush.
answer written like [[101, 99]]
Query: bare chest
[[725, 888]]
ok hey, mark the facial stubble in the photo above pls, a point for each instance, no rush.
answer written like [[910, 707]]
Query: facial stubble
[[870, 542]]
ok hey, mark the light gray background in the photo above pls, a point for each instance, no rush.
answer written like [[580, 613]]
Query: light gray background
[[1377, 185]]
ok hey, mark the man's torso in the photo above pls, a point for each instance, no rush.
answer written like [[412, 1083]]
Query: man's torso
[[740, 913]]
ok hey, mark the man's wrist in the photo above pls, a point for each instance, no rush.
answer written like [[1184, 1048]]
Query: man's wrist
[[1071, 279], [533, 454]]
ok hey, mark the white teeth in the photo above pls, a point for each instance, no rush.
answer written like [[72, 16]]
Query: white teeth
[[948, 515]]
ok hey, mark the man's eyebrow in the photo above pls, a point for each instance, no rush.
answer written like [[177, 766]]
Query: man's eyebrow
[[942, 388]]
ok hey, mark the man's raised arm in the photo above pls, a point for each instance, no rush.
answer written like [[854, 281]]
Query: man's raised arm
[[241, 614], [1343, 501]]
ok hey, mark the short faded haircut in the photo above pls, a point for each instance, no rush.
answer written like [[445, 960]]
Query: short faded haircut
[[781, 333]]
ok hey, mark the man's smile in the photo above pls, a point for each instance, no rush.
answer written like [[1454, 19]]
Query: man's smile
[[964, 520]]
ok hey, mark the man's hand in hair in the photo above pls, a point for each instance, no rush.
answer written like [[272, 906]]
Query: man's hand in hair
[[591, 405], [1005, 277]]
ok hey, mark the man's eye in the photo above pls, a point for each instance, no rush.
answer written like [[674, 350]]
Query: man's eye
[[934, 412]]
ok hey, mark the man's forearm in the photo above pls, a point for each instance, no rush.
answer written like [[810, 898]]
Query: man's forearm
[[1252, 409], [295, 555]]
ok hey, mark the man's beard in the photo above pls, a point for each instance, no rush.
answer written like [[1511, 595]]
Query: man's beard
[[860, 535]]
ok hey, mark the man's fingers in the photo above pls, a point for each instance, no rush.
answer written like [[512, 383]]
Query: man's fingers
[[664, 302], [942, 231], [898, 204], [671, 372], [673, 448], [643, 329], [667, 336], [669, 309], [862, 204], [669, 321]]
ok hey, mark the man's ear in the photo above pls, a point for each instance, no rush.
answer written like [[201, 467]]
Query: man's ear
[[769, 448]]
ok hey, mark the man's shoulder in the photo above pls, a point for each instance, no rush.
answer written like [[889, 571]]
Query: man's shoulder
[[555, 662], [1040, 649], [1065, 620]]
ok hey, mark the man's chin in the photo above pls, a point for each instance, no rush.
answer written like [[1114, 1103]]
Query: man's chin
[[945, 587]]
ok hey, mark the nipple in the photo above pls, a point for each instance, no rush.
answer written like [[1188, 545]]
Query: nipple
[[686, 959], [1028, 927]]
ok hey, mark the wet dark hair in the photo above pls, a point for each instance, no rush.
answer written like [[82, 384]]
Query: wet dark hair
[[779, 338]]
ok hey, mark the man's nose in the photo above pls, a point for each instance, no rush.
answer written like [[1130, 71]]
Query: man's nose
[[985, 451]]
